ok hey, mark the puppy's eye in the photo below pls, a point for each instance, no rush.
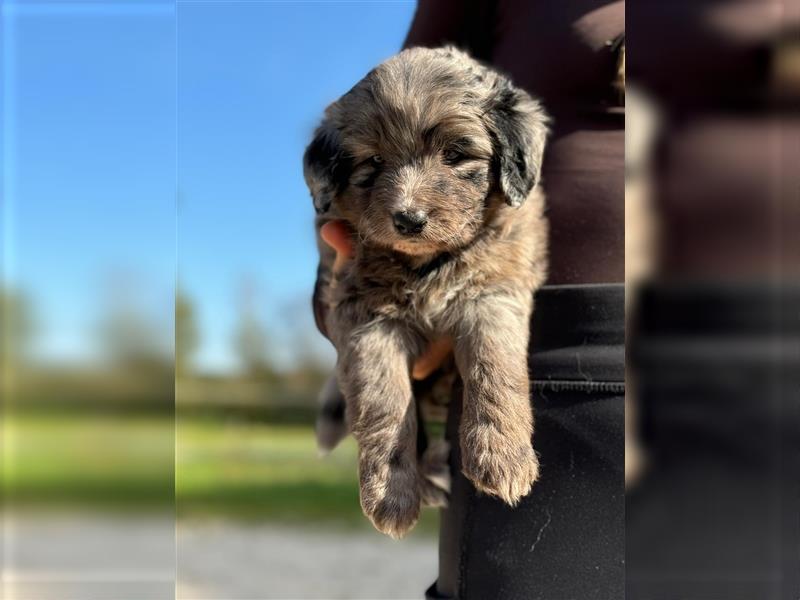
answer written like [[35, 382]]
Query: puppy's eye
[[367, 172], [454, 156]]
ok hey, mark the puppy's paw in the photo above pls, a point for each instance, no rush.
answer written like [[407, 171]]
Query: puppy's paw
[[435, 475], [390, 497], [499, 463]]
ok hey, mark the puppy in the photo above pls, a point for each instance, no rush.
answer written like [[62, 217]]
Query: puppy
[[433, 159]]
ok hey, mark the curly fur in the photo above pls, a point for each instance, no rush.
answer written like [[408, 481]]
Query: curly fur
[[439, 134]]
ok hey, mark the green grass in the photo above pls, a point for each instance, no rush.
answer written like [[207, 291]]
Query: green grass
[[66, 459], [256, 470], [266, 471], [204, 467]]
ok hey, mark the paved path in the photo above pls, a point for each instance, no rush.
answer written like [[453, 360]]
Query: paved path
[[66, 557], [236, 562]]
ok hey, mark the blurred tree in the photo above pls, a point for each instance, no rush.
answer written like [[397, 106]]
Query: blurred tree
[[16, 325], [130, 340], [251, 339], [306, 348], [133, 335], [187, 338]]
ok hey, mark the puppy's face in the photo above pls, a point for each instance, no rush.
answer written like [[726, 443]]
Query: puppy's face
[[419, 151], [418, 184]]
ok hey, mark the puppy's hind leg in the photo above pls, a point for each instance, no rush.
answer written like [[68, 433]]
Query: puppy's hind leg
[[331, 427], [434, 468]]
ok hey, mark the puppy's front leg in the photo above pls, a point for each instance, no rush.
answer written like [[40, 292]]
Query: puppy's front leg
[[497, 420], [373, 369]]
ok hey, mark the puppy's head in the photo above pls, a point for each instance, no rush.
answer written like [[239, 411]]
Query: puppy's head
[[420, 150]]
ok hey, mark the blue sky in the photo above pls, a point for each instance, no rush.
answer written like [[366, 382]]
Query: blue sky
[[110, 107]]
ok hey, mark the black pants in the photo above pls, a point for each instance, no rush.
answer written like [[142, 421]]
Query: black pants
[[566, 539], [716, 516]]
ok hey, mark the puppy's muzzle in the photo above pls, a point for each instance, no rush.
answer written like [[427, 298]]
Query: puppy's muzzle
[[409, 223]]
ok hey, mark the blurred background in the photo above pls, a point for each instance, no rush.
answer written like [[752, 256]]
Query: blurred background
[[158, 359], [713, 274], [87, 296], [159, 355]]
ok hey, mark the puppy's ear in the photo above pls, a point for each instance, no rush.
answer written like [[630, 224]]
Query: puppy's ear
[[325, 167], [519, 128]]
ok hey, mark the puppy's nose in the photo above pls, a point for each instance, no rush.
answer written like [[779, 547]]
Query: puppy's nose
[[410, 223]]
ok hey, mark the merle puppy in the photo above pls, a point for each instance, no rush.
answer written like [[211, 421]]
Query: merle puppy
[[433, 159]]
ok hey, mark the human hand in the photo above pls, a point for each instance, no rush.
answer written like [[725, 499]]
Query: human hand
[[339, 236]]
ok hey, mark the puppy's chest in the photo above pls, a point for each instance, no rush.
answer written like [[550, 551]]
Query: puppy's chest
[[428, 300]]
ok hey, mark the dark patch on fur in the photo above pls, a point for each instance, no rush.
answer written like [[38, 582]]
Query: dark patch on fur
[[327, 166], [475, 176], [396, 457], [514, 143], [333, 411], [442, 186], [433, 265], [369, 181]]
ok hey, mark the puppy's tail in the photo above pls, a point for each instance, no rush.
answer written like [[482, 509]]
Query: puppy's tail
[[331, 426]]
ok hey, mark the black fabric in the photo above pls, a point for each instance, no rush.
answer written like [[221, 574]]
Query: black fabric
[[566, 539], [717, 514]]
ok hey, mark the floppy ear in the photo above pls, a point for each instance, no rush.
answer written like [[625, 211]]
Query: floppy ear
[[325, 167], [519, 127]]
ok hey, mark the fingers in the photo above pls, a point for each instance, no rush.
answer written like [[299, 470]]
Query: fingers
[[337, 235], [432, 358]]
